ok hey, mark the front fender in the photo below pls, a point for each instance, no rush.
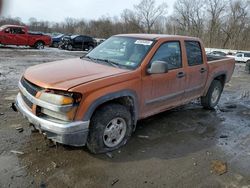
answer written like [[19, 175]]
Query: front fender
[[110, 97]]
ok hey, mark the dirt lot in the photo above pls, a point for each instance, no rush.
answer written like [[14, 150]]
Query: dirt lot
[[173, 149]]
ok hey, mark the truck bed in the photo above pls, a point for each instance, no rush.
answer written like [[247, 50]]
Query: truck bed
[[219, 66]]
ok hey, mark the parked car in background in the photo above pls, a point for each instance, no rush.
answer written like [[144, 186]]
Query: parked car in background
[[97, 100], [242, 57], [80, 42], [56, 40], [231, 54], [19, 35], [217, 53]]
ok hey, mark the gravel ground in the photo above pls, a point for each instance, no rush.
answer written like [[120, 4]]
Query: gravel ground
[[177, 148]]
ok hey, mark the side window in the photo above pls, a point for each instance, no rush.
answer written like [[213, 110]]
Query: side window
[[78, 39], [20, 31], [247, 54], [87, 39], [169, 52], [194, 53], [7, 30], [239, 55]]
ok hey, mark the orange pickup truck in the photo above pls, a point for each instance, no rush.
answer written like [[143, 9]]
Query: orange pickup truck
[[96, 100]]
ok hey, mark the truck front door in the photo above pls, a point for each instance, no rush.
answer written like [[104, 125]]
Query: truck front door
[[9, 36], [163, 91]]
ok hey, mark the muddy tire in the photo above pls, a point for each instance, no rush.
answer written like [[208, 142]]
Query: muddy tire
[[110, 128], [39, 45], [213, 95]]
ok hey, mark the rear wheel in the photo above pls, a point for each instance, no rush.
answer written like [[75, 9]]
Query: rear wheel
[[110, 128], [39, 45], [90, 48], [213, 95]]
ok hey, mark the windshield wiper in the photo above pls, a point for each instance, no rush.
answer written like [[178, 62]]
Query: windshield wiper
[[88, 57], [112, 63]]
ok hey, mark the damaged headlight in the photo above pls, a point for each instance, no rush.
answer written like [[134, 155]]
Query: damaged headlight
[[60, 98], [56, 99]]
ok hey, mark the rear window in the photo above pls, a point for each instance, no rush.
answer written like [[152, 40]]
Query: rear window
[[194, 53]]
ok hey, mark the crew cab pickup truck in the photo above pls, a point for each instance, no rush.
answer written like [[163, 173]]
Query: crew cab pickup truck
[[96, 100], [19, 35]]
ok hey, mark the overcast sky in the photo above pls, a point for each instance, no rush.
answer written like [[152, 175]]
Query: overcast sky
[[58, 10]]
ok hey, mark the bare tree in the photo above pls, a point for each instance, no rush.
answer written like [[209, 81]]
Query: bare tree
[[235, 23], [131, 22], [148, 13], [215, 10], [189, 16]]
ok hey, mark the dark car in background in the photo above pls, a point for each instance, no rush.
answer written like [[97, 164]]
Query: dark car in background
[[217, 53], [80, 42], [56, 40]]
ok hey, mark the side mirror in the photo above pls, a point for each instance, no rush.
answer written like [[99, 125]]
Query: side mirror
[[158, 67]]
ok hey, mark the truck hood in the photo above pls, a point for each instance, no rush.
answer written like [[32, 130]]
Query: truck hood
[[65, 74]]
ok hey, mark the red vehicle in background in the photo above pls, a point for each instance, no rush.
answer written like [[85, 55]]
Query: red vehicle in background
[[19, 35]]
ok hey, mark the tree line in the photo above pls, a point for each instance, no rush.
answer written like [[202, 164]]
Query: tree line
[[219, 23]]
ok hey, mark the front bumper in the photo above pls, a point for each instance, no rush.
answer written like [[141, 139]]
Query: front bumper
[[73, 133]]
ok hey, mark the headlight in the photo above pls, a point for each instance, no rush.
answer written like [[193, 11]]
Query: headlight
[[56, 99], [60, 98]]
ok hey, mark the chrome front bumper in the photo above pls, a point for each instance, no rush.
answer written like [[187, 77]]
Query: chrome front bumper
[[73, 133]]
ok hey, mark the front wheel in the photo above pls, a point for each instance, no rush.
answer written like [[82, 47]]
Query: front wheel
[[39, 45], [69, 47], [213, 95], [110, 128]]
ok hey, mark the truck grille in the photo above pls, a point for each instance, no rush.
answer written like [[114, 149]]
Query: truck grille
[[27, 102], [31, 88]]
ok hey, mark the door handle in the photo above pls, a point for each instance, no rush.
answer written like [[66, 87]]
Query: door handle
[[180, 74], [203, 70]]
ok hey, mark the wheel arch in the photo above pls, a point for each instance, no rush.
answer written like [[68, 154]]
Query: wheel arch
[[220, 76], [40, 41], [127, 98]]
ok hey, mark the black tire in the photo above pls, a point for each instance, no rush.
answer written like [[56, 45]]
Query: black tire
[[247, 67], [55, 44], [69, 47], [39, 45], [208, 101], [90, 48], [100, 122]]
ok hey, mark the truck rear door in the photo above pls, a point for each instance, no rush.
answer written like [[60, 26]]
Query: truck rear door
[[21, 36], [163, 91], [196, 70]]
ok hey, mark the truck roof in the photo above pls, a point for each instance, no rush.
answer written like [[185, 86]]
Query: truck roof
[[156, 36], [22, 26]]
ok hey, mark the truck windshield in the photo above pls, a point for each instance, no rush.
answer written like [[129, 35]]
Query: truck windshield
[[125, 52]]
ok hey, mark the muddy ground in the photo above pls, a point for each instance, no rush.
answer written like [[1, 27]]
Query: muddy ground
[[173, 149]]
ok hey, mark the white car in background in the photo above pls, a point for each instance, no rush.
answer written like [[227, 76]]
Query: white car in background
[[242, 57]]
